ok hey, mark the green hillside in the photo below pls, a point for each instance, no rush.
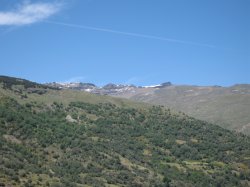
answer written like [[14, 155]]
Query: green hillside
[[52, 137]]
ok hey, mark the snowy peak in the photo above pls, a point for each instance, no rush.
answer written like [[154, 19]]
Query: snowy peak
[[165, 84], [108, 89], [73, 85]]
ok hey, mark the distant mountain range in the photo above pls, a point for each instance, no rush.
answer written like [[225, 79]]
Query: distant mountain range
[[109, 89], [227, 106]]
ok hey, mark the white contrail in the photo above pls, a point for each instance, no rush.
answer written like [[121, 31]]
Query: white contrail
[[130, 34]]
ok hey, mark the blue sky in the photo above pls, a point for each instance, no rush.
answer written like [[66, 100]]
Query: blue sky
[[140, 42]]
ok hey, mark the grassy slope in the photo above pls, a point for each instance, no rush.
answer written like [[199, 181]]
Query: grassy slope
[[228, 107], [66, 96], [113, 142]]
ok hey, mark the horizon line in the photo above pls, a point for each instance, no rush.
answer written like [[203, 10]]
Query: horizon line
[[138, 85]]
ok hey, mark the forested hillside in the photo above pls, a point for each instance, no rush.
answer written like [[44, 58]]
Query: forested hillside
[[70, 138]]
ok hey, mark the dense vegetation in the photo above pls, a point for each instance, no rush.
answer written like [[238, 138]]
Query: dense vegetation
[[84, 144], [9, 82]]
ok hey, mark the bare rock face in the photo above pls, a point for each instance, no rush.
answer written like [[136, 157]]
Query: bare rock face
[[11, 139], [70, 119], [166, 84]]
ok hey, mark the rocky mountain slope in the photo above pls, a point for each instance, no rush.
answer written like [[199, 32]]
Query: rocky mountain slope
[[73, 138], [227, 106], [109, 89]]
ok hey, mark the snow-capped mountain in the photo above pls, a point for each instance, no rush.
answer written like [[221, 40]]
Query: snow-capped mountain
[[108, 89]]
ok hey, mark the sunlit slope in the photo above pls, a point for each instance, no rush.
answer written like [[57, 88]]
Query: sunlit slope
[[26, 91], [227, 107]]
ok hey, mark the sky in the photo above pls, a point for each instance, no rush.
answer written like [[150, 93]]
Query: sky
[[141, 42]]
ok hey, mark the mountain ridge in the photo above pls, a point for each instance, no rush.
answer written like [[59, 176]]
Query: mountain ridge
[[226, 106]]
